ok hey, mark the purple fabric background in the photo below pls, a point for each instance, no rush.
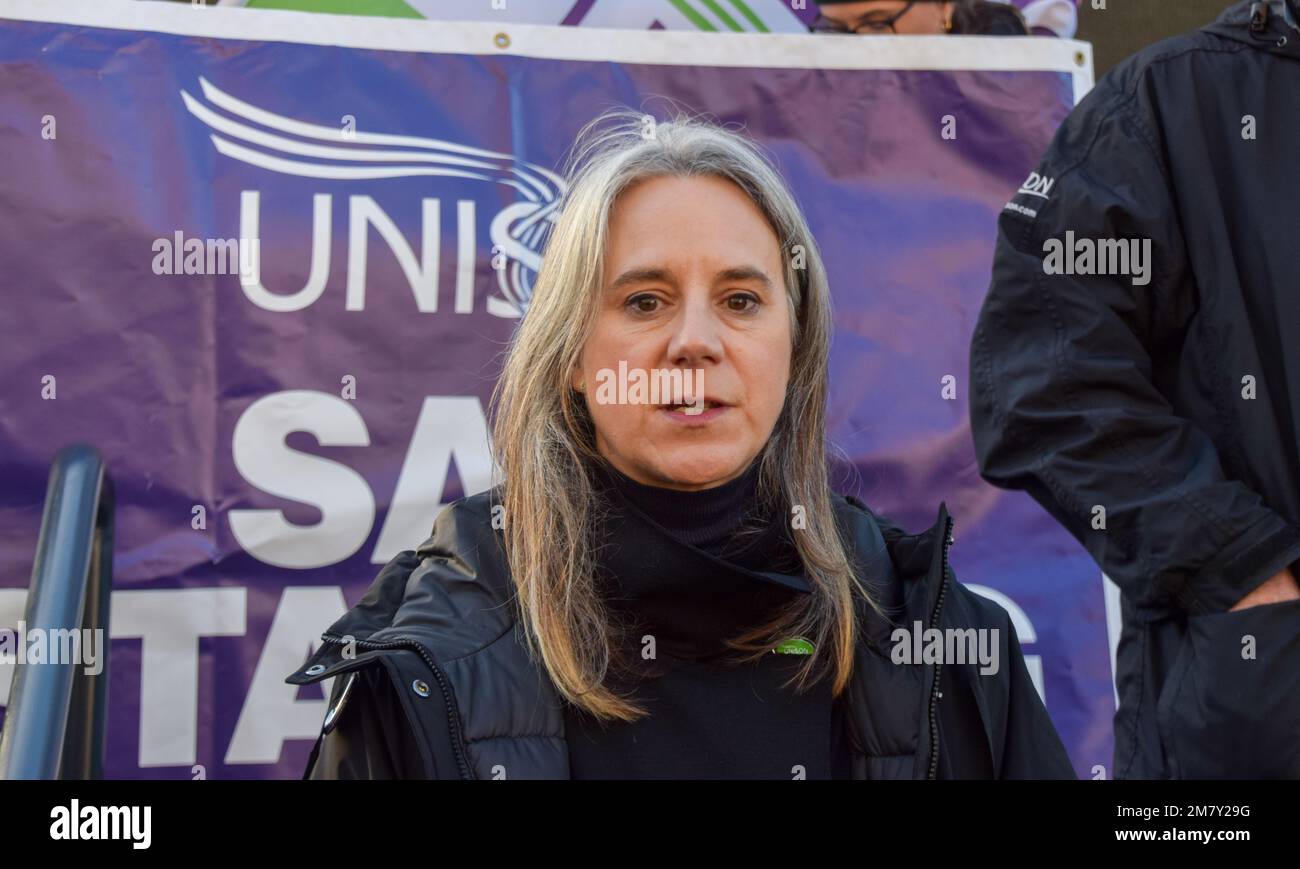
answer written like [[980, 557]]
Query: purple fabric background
[[156, 370]]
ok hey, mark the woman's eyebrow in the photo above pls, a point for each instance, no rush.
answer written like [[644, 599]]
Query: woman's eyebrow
[[647, 275], [656, 275], [745, 273]]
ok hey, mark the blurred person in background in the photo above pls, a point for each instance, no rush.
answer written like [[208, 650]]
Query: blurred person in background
[[918, 17]]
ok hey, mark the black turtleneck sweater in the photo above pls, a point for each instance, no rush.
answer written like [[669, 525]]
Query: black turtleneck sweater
[[707, 519], [675, 567]]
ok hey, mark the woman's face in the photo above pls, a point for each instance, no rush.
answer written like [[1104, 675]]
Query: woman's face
[[868, 16], [693, 281]]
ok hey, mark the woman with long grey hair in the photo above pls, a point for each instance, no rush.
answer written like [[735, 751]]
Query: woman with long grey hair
[[664, 584]]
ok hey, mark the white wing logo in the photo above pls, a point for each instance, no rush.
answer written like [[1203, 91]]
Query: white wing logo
[[517, 231]]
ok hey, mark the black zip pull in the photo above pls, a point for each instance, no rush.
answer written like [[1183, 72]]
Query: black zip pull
[[1258, 17]]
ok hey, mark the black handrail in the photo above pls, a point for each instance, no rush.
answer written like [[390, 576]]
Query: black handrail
[[54, 725]]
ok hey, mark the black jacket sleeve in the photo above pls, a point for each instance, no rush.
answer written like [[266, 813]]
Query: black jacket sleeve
[[1064, 402], [1002, 708], [369, 737]]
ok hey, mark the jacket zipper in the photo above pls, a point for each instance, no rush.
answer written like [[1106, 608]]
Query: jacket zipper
[[453, 718], [934, 622]]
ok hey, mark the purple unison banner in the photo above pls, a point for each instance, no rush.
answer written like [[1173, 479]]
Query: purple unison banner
[[267, 263]]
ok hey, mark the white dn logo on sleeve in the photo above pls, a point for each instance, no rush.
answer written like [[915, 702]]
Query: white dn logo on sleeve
[[1037, 185]]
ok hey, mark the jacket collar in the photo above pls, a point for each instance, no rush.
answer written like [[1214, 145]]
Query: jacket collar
[[904, 573], [1276, 37]]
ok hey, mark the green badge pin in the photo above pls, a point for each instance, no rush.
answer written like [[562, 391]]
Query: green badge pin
[[794, 646]]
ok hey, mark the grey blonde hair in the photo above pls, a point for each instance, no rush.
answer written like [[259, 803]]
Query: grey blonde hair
[[543, 436]]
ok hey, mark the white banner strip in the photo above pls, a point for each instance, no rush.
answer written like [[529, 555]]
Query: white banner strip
[[663, 47]]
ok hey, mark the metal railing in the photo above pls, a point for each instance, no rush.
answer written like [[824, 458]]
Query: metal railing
[[55, 721]]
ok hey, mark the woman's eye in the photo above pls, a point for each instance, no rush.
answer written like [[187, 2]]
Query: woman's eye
[[643, 304], [742, 303]]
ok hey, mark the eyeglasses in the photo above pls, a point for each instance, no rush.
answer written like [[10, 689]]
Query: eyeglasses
[[872, 22]]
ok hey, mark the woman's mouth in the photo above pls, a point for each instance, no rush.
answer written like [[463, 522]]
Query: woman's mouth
[[692, 409], [696, 413]]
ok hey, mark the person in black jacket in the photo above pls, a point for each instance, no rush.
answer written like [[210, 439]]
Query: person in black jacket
[[663, 585], [1136, 369]]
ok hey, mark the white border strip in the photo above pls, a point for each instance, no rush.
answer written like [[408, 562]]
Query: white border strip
[[663, 47]]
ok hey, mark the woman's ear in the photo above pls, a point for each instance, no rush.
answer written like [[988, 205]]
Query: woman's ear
[[576, 380]]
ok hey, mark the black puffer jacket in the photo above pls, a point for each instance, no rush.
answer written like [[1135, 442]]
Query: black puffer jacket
[[437, 645], [1157, 415]]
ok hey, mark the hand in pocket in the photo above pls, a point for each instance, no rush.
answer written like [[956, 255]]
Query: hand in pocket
[[1233, 710]]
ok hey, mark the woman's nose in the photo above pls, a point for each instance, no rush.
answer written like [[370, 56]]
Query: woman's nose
[[696, 338]]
